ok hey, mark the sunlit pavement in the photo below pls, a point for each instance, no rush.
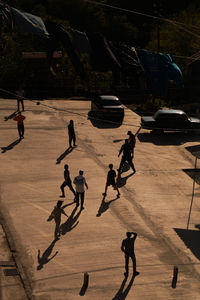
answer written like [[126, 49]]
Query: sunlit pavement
[[153, 202]]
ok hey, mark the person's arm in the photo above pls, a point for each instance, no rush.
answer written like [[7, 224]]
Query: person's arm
[[135, 234], [120, 151], [122, 246], [86, 185]]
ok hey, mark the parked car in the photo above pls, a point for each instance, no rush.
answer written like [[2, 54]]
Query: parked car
[[107, 107], [170, 120]]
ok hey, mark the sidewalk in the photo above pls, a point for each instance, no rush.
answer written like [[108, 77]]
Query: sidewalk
[[153, 202]]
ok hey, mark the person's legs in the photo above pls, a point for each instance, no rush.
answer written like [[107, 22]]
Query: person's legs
[[71, 188], [74, 140], [62, 188], [22, 130], [126, 264], [77, 198], [70, 141], [116, 188], [131, 164], [82, 199], [19, 130], [57, 228], [122, 163], [134, 265], [106, 188], [22, 102], [17, 104]]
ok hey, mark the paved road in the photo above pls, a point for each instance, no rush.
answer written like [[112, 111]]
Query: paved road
[[154, 202]]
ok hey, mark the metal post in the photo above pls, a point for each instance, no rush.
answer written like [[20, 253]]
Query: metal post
[[190, 210]]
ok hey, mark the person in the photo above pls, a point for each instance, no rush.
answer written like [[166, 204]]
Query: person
[[131, 141], [71, 134], [20, 97], [111, 180], [67, 182], [56, 215], [128, 248], [20, 124], [125, 148], [80, 182]]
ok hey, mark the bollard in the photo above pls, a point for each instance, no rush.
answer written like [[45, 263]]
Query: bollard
[[175, 277]]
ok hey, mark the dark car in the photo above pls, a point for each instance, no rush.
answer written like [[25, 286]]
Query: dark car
[[107, 107], [170, 120]]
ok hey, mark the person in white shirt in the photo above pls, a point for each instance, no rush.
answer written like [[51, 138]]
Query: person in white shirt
[[80, 183]]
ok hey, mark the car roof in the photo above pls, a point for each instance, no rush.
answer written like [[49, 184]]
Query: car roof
[[170, 111], [108, 97]]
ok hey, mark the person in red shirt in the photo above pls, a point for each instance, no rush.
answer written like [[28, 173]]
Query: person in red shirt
[[20, 124]]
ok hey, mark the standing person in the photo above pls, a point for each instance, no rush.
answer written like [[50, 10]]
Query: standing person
[[56, 215], [128, 248], [131, 141], [71, 133], [67, 182], [80, 182], [20, 124], [125, 148], [20, 97], [111, 180]]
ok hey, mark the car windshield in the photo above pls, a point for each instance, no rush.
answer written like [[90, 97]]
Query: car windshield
[[111, 102]]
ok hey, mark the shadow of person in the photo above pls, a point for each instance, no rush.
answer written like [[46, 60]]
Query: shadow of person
[[11, 146], [121, 181], [121, 295], [71, 222], [6, 118], [44, 259], [67, 151], [104, 206]]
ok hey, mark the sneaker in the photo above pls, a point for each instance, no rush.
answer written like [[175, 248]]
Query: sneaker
[[104, 194], [136, 273], [118, 195]]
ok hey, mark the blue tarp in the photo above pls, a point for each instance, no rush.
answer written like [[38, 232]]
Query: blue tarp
[[159, 69], [29, 23]]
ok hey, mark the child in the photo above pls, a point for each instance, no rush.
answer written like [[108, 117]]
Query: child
[[111, 181]]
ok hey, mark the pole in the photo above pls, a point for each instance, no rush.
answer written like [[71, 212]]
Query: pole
[[190, 210]]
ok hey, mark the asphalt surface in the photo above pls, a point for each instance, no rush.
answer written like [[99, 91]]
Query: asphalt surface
[[154, 203]]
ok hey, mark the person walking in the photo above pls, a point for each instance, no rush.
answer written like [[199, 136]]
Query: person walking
[[131, 142], [56, 215], [20, 124], [128, 248], [71, 134], [111, 180], [67, 182], [20, 97], [125, 148], [80, 183]]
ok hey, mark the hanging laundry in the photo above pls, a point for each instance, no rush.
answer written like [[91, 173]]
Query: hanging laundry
[[58, 34], [159, 69], [102, 58], [80, 41], [29, 23]]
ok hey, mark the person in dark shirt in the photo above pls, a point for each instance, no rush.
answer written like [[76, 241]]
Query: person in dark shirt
[[131, 141], [20, 124], [128, 248], [56, 215], [111, 180], [71, 133], [67, 182], [125, 148]]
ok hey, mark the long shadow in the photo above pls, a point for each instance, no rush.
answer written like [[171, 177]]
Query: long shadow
[[121, 181], [6, 118], [71, 222], [168, 138], [194, 174], [191, 239], [104, 123], [11, 146], [67, 151], [122, 294], [44, 259], [194, 150], [104, 206]]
